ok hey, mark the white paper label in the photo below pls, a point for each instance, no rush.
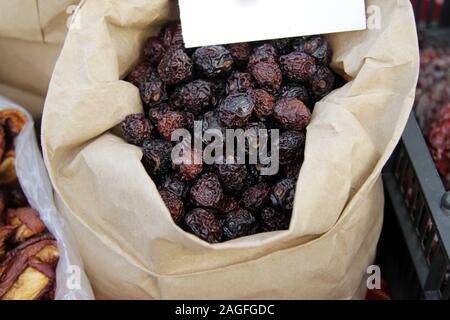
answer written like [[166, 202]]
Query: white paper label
[[210, 22]]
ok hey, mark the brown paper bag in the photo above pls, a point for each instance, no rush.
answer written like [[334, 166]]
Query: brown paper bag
[[31, 37], [131, 247]]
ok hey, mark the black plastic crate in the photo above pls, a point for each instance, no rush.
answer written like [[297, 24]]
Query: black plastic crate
[[414, 248]]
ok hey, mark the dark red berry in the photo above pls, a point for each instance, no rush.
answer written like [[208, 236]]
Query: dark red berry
[[171, 121], [136, 128], [298, 66], [295, 91], [175, 205], [175, 66], [197, 96], [239, 82], [236, 109], [232, 176], [316, 46], [255, 197], [227, 204], [157, 157], [264, 53], [207, 191], [268, 76], [291, 146], [239, 223], [264, 103], [213, 61], [240, 52], [190, 169], [154, 50], [139, 73], [173, 184], [173, 36], [283, 194], [204, 225], [152, 90], [322, 83], [292, 114]]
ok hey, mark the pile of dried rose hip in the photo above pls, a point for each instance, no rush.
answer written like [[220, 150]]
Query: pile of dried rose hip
[[28, 253], [264, 85]]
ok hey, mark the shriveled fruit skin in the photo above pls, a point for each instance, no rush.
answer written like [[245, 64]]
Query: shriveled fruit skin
[[152, 90], [171, 183], [322, 83], [239, 223], [189, 171], [175, 66], [232, 176], [255, 197], [268, 76], [227, 205], [239, 82], [213, 61], [298, 66], [157, 157], [196, 96], [273, 220], [236, 109], [295, 91], [171, 121], [136, 128], [291, 146], [204, 225], [207, 191], [154, 50], [283, 194], [172, 35], [263, 53], [175, 205], [211, 121], [318, 47], [139, 73], [292, 114], [264, 103], [240, 52]]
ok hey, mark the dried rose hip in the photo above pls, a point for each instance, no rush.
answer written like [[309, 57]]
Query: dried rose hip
[[204, 225], [173, 184], [152, 90], [236, 109], [292, 114], [213, 61], [227, 205], [154, 50], [322, 83], [283, 45], [155, 113], [211, 121], [239, 223], [283, 194], [196, 96], [139, 73], [316, 46], [255, 196], [298, 66], [273, 220], [240, 52], [175, 205], [171, 121], [239, 82], [295, 91], [136, 128], [291, 146], [268, 76], [207, 191], [157, 157], [264, 53], [264, 103], [232, 176], [190, 170], [175, 66], [172, 35]]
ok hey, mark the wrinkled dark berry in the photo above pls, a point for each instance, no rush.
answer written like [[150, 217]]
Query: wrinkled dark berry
[[173, 184], [292, 171], [213, 61], [268, 76], [207, 191], [239, 82], [298, 66], [197, 96], [204, 225], [139, 73], [295, 91], [255, 196], [227, 204], [322, 82], [232, 176], [171, 121], [236, 109], [318, 47], [136, 128], [172, 35], [291, 146], [272, 220], [175, 66], [264, 103], [263, 53], [283, 194], [292, 114], [155, 113], [154, 50], [191, 169], [152, 90], [283, 45], [175, 205], [211, 121], [240, 52], [157, 157], [239, 223]]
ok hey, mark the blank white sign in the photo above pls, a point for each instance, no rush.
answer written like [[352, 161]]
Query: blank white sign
[[209, 22]]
